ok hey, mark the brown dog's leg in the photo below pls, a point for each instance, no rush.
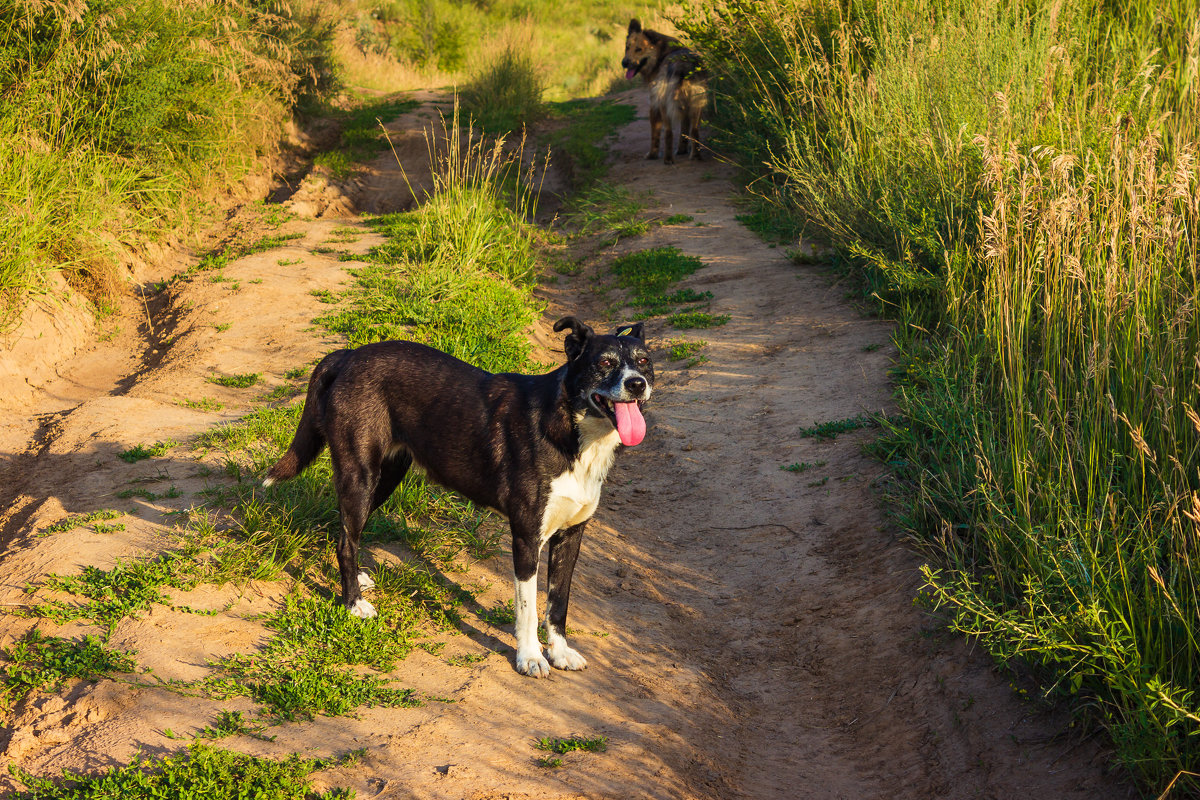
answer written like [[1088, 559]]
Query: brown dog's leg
[[669, 146], [655, 131]]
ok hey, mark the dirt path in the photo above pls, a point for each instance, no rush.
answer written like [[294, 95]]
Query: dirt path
[[755, 634]]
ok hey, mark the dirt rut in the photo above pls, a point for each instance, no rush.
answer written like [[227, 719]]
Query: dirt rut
[[750, 630]]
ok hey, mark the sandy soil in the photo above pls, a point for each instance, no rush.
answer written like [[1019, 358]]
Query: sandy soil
[[755, 634]]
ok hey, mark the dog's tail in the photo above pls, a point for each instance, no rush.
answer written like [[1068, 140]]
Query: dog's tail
[[309, 440]]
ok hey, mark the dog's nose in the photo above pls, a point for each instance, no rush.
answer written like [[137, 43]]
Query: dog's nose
[[625, 63], [636, 386]]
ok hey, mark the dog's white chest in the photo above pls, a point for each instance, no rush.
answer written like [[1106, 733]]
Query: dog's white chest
[[575, 493]]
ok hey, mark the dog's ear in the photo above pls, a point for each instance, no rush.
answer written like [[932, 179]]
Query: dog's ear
[[634, 330], [580, 333], [635, 26]]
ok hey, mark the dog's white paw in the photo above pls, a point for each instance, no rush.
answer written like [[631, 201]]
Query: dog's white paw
[[533, 664], [565, 657], [362, 609], [364, 581]]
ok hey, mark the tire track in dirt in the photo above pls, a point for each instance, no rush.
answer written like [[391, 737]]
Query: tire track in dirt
[[753, 635]]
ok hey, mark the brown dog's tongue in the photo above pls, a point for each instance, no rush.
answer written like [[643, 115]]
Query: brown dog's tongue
[[629, 74], [631, 425]]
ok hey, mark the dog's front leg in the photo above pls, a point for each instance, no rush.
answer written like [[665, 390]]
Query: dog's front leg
[[564, 550], [530, 660]]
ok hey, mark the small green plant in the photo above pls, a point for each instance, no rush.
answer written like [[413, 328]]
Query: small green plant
[[79, 520], [678, 219], [141, 452], [686, 320], [201, 771], [550, 762], [500, 614], [801, 466], [296, 373], [647, 274], [586, 744], [239, 381], [203, 404], [232, 723], [681, 349], [467, 659], [39, 662], [831, 430]]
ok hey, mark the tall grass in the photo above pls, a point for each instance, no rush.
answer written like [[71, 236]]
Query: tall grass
[[111, 114], [1018, 182], [437, 42]]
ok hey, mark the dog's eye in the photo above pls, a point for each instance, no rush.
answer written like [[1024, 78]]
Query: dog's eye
[[607, 363], [643, 361]]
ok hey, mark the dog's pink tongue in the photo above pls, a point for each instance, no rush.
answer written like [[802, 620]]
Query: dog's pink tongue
[[629, 74], [631, 425]]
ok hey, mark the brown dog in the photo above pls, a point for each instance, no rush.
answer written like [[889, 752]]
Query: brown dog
[[678, 87]]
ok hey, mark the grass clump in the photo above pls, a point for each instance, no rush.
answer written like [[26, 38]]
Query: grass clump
[[1017, 183], [504, 93], [141, 452], [116, 115], [37, 662], [584, 744], [242, 380], [79, 520], [201, 771], [685, 320]]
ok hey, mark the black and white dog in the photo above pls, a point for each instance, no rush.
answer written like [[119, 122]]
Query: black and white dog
[[535, 448]]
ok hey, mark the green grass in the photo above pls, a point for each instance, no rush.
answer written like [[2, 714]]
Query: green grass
[[37, 662], [79, 520], [570, 744], [1013, 185], [243, 380], [202, 772], [828, 431], [141, 452], [582, 135], [682, 350], [686, 320], [504, 94], [362, 136], [203, 404], [115, 120], [801, 466], [499, 615]]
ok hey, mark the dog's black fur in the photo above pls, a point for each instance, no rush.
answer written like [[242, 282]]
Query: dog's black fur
[[501, 440]]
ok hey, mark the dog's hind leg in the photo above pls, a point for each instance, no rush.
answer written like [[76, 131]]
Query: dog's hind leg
[[564, 549], [526, 549], [391, 472], [356, 484]]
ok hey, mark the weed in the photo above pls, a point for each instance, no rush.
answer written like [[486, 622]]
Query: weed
[[550, 762], [682, 349], [647, 273], [500, 614], [38, 662], [242, 380], [141, 452], [467, 659], [296, 373], [232, 723], [79, 520], [199, 772], [203, 404], [678, 219], [686, 320], [801, 466], [585, 744], [825, 431]]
